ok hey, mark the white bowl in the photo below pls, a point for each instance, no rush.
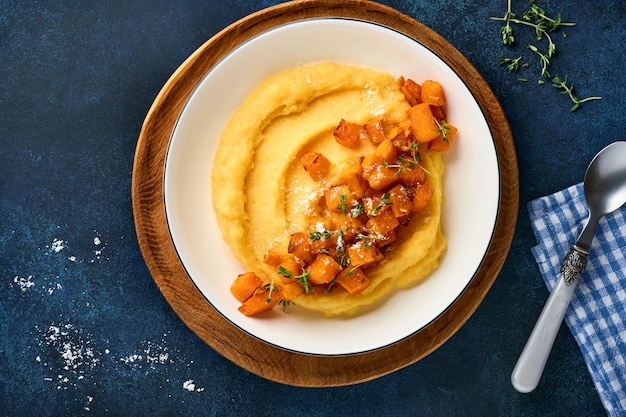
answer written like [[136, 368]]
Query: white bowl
[[471, 184]]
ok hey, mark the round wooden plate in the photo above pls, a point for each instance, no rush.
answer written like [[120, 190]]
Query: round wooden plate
[[179, 290]]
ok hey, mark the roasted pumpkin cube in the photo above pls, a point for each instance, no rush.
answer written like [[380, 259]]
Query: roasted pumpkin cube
[[412, 92], [423, 124], [353, 280], [400, 200], [323, 269], [353, 178], [375, 203], [442, 143], [438, 112], [272, 258], [300, 246], [412, 175], [375, 131], [339, 198], [385, 240], [364, 253], [432, 93], [386, 151], [422, 196], [403, 140], [349, 227], [245, 285], [382, 224], [315, 164], [287, 271], [262, 300], [291, 290], [347, 134], [382, 176]]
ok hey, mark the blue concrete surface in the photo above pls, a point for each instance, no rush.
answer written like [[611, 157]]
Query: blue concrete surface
[[84, 329]]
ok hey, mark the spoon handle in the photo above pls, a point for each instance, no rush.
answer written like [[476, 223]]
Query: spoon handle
[[530, 365]]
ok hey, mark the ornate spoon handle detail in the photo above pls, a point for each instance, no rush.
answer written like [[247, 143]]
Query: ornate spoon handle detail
[[574, 265]]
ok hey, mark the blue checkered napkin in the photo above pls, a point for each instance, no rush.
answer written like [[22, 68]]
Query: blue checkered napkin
[[597, 314]]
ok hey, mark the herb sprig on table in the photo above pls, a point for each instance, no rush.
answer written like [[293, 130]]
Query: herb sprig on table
[[536, 19]]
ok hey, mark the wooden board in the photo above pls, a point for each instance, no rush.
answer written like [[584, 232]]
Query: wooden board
[[164, 265]]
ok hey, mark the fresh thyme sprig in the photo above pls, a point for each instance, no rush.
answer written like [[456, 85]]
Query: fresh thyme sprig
[[536, 18], [366, 240], [343, 204], [400, 164], [512, 64], [356, 210], [444, 129], [544, 60], [569, 90], [537, 14], [320, 235], [302, 278], [506, 31], [384, 201], [269, 288], [405, 161]]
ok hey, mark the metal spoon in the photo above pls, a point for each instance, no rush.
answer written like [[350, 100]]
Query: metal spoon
[[605, 191]]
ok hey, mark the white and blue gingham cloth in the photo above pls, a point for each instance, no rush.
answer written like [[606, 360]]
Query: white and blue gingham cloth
[[597, 314]]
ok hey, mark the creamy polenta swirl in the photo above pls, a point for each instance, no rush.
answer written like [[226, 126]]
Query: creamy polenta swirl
[[262, 195]]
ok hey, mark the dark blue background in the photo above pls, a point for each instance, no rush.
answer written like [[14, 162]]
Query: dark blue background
[[84, 329]]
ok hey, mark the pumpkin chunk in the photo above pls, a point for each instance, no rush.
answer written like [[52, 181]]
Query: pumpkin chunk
[[375, 131], [422, 197], [364, 254], [263, 300], [412, 91], [347, 134], [400, 200], [245, 285], [315, 164], [423, 124], [353, 280], [432, 93], [442, 142], [323, 270]]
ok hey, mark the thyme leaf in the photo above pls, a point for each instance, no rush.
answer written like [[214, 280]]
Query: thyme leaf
[[343, 205], [444, 129], [512, 64], [269, 288], [384, 201], [302, 278], [562, 84], [320, 235]]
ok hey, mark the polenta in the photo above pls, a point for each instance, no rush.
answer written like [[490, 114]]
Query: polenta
[[323, 193]]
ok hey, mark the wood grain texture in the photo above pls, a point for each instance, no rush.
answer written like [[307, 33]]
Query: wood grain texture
[[179, 290]]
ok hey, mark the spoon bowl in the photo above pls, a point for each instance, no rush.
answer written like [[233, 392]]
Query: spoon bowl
[[605, 191], [604, 185]]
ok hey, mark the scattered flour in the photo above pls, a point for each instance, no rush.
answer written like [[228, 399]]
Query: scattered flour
[[75, 358], [27, 283], [57, 245], [24, 283], [70, 356], [190, 386]]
